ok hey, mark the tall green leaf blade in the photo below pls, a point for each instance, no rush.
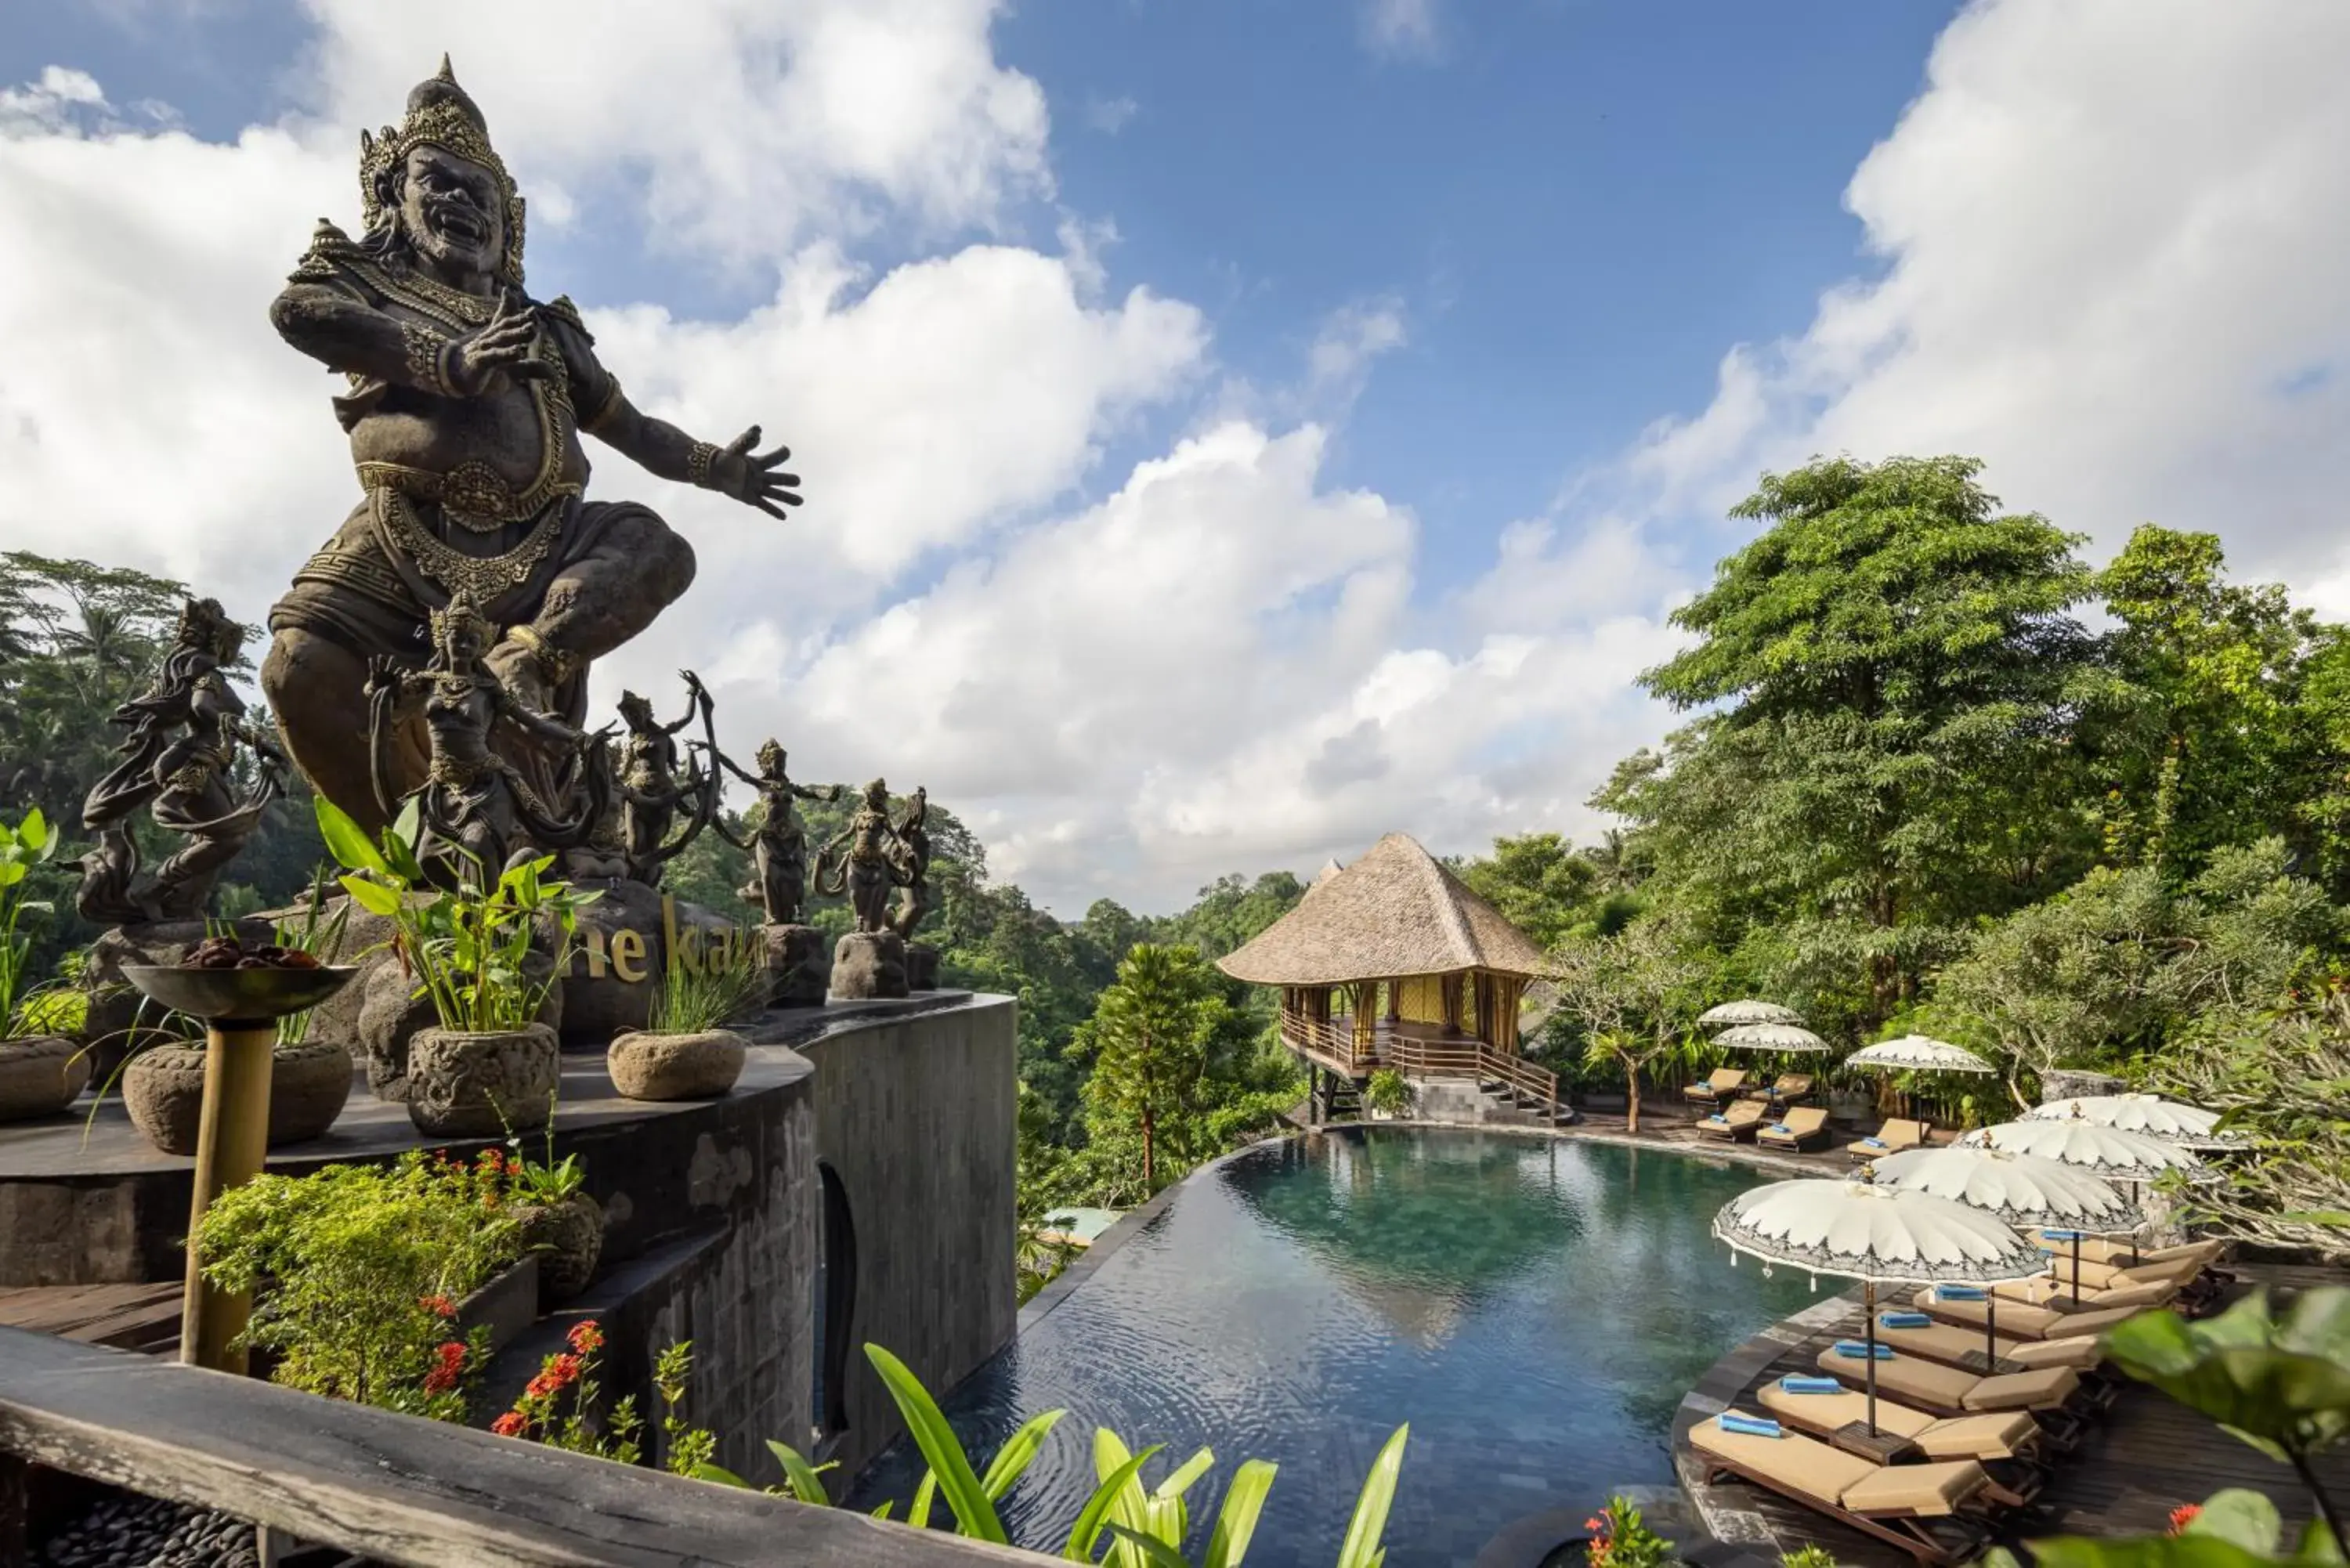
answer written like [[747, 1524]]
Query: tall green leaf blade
[[1092, 1519], [1361, 1548], [1017, 1453], [345, 840], [1236, 1520], [1154, 1553], [806, 1479], [974, 1514]]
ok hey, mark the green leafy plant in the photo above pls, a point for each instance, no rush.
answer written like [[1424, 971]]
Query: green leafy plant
[[30, 843], [317, 932], [561, 1406], [731, 980], [1144, 1526], [2232, 1529], [1387, 1092], [1620, 1538], [364, 1264], [468, 947], [2281, 1384], [1807, 1557]]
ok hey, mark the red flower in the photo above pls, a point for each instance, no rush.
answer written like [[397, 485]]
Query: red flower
[[1595, 1525], [438, 1305], [512, 1424], [587, 1338], [449, 1360], [540, 1386], [2184, 1515]]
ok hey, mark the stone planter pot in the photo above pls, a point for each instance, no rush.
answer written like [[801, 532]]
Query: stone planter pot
[[467, 1085], [310, 1084], [163, 1090], [675, 1067], [567, 1239], [40, 1077]]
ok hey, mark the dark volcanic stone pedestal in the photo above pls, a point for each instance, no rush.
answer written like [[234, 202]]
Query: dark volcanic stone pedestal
[[922, 967], [870, 964], [797, 966]]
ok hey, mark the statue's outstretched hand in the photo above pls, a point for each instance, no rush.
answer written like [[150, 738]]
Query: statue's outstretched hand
[[507, 341], [752, 479], [382, 671]]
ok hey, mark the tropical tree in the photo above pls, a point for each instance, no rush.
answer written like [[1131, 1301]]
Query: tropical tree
[[1151, 1036], [1634, 997]]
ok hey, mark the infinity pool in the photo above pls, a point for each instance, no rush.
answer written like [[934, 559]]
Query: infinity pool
[[1534, 1309]]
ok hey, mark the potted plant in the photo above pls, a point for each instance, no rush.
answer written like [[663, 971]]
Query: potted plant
[[40, 1070], [489, 1067], [1386, 1096], [309, 1080], [684, 1052], [562, 1223]]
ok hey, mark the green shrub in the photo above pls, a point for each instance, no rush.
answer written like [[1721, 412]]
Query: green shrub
[[1387, 1092]]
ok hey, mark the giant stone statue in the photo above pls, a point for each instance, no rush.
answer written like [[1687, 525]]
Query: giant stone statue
[[465, 402]]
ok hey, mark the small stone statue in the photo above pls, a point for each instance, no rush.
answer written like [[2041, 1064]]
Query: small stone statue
[[779, 848], [184, 733], [478, 814], [914, 866], [651, 789], [864, 861]]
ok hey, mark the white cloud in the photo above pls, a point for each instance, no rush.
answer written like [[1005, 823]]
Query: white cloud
[[2110, 231], [751, 126], [1400, 29], [1111, 114]]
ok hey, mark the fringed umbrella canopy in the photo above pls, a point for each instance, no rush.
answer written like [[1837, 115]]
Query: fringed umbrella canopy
[[1917, 1054], [1730, 1013], [2172, 1121], [2116, 1155], [1769, 1037], [1862, 1231], [2016, 1188]]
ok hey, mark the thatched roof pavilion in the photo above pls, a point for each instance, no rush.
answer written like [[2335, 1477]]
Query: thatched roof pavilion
[[1393, 962]]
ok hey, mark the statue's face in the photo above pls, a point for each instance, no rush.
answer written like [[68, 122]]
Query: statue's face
[[635, 711], [465, 641], [453, 211]]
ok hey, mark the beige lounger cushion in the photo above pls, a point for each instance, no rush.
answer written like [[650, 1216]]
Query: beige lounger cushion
[[1723, 1081], [2107, 1250], [1802, 1122], [1803, 1466], [1945, 1341], [2023, 1319], [1993, 1436], [1929, 1490], [1949, 1388], [2042, 1389]]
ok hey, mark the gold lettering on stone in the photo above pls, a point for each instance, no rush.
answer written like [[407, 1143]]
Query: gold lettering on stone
[[628, 955]]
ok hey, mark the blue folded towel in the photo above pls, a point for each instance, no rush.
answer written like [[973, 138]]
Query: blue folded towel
[[1718, 1116], [1960, 1292], [1872, 1143], [1859, 1350], [1795, 1383], [1731, 1421], [2062, 1235], [1904, 1319], [1781, 1127]]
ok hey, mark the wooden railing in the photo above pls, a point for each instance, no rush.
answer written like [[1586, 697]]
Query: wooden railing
[[398, 1489], [1333, 1043]]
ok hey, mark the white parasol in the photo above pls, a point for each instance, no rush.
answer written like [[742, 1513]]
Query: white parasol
[[1730, 1013], [1876, 1235], [1918, 1054], [1769, 1037], [2151, 1115], [2110, 1152]]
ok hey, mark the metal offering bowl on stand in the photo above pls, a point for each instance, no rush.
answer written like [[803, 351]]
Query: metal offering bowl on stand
[[231, 997], [240, 1008]]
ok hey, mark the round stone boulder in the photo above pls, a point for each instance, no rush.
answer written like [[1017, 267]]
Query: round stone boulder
[[700, 1066], [40, 1077], [868, 964]]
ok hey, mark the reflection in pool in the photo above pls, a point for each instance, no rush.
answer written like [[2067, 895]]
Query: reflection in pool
[[1536, 1309]]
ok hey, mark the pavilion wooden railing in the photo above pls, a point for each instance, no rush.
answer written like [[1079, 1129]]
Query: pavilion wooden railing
[[1334, 1043], [398, 1489]]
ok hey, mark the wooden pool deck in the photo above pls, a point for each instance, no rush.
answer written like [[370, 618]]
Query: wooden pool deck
[[2146, 1456]]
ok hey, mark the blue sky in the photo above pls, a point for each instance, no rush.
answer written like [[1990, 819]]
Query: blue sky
[[1346, 487]]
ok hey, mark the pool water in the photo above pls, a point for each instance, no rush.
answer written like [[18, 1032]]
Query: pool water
[[1536, 1309]]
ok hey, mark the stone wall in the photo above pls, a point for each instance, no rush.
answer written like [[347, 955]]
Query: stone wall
[[915, 1120]]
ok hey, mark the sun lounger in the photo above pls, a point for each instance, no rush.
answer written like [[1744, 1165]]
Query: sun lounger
[[1948, 1391], [1933, 1511], [1964, 1348], [2023, 1320], [1784, 1090], [1735, 1125], [2003, 1442], [2056, 1291], [2117, 1250], [1895, 1135], [1723, 1085], [2178, 1272], [1804, 1127]]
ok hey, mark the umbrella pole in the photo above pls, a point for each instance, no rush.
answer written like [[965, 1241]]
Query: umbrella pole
[[1868, 1306], [1990, 1325], [2076, 1268], [2135, 1204]]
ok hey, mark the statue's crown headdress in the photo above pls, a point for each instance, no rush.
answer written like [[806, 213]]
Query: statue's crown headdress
[[204, 624], [440, 114], [771, 757], [461, 614]]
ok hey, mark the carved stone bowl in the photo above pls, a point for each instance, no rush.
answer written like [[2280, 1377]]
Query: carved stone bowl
[[238, 996]]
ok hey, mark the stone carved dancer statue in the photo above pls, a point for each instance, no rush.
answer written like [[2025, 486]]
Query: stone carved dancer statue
[[651, 790], [779, 848], [177, 761], [914, 870], [477, 814], [465, 407], [864, 860]]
